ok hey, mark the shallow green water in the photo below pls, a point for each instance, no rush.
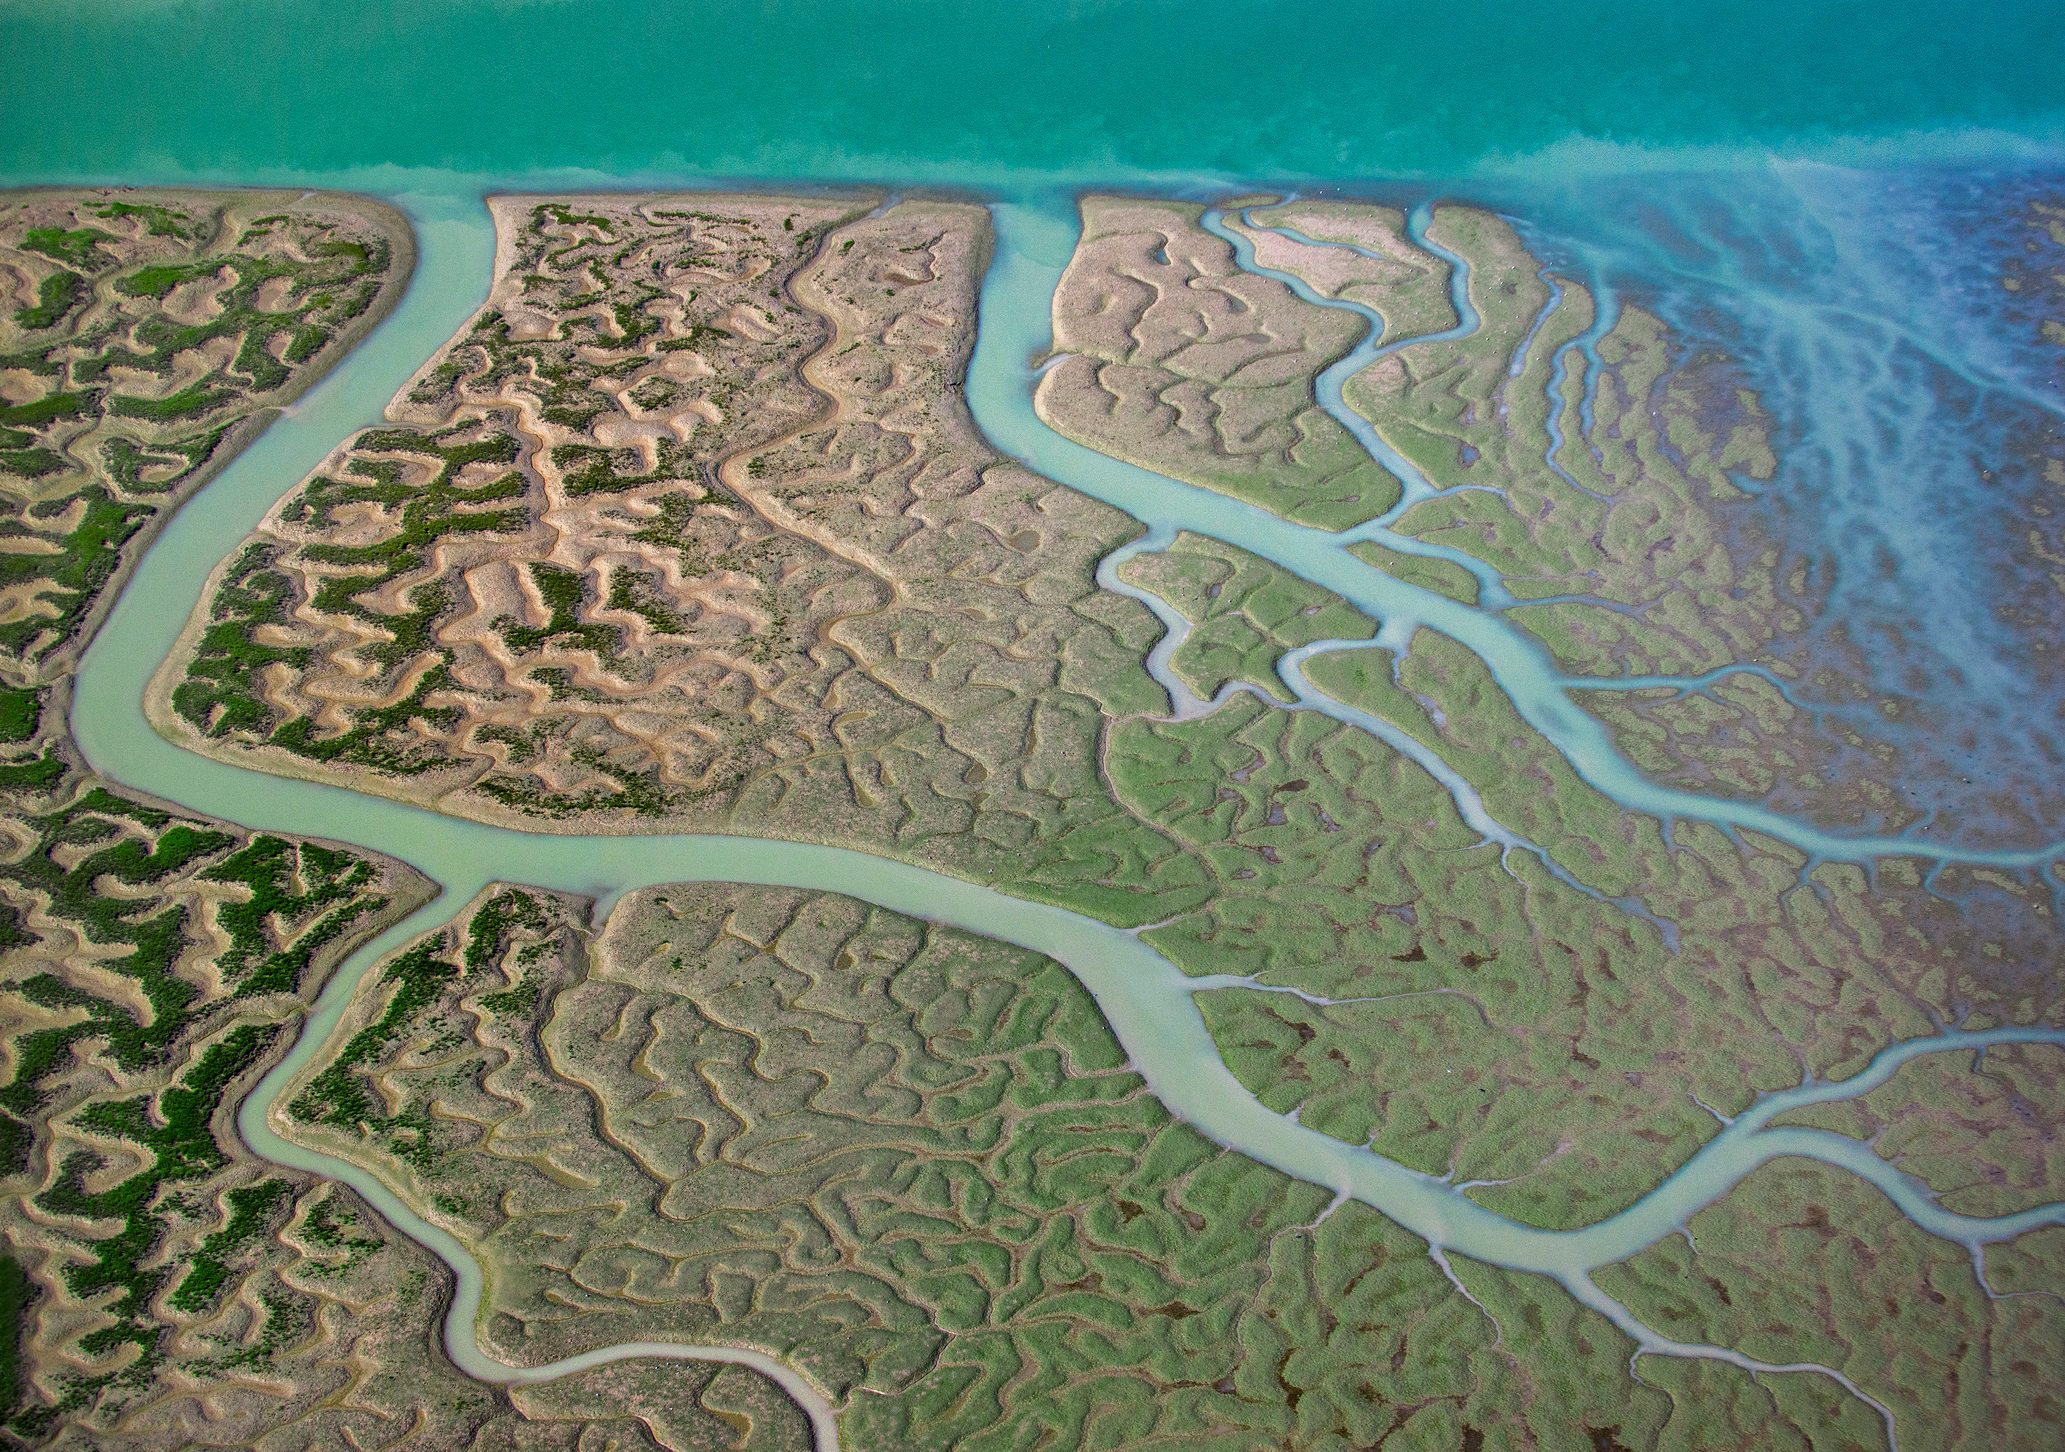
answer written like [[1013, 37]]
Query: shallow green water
[[988, 92]]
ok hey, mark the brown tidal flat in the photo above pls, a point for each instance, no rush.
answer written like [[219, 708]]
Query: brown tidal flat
[[664, 540], [689, 529], [1173, 357]]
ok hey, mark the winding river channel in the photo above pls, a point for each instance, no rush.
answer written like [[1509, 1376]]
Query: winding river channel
[[1148, 1002]]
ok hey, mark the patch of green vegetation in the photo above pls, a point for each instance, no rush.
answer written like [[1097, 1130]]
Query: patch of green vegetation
[[302, 898], [328, 1226], [126, 460], [591, 470], [73, 246], [563, 591], [47, 409], [56, 296], [216, 695], [32, 463], [17, 1296], [37, 774], [567, 217], [371, 742], [157, 280], [159, 221], [286, 1320], [415, 981], [677, 512], [219, 695], [1244, 613], [633, 591], [514, 1002], [287, 881], [182, 1147], [629, 791], [193, 400], [253, 1210], [21, 709], [1443, 577], [70, 581]]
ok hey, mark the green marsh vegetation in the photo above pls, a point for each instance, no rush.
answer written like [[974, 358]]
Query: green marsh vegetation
[[152, 959], [948, 689], [915, 1164], [1248, 613]]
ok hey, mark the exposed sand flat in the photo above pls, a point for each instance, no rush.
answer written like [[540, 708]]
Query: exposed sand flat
[[1171, 353], [129, 409], [682, 502], [1404, 282]]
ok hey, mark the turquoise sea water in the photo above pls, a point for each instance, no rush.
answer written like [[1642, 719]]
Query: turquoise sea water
[[983, 92]]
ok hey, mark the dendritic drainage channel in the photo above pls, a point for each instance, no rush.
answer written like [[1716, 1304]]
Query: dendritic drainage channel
[[1149, 1004], [1033, 243]]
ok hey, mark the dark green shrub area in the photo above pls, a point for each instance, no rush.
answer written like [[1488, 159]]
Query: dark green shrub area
[[56, 296], [296, 899], [339, 1097], [82, 424]]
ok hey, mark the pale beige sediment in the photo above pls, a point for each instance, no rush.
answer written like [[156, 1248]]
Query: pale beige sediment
[[856, 486], [238, 208], [1173, 357], [1406, 284]]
